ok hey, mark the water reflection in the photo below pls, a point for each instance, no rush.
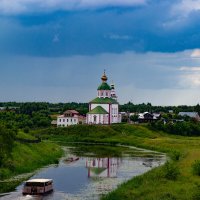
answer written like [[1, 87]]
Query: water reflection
[[103, 167], [87, 175]]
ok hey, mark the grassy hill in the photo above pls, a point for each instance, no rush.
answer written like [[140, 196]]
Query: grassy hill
[[175, 180], [27, 158], [172, 181]]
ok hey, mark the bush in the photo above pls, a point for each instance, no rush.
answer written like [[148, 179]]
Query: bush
[[168, 196], [175, 155], [196, 168], [196, 192], [170, 171], [9, 164], [4, 173], [26, 129], [186, 128], [6, 143]]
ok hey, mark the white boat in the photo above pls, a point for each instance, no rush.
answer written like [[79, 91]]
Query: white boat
[[38, 186]]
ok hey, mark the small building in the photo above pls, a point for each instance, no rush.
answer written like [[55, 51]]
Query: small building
[[123, 114], [148, 117], [70, 117], [54, 123], [157, 116], [81, 119], [193, 115]]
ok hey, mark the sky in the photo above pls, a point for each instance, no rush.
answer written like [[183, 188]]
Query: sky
[[57, 50]]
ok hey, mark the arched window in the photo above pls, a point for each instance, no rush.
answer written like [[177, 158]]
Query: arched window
[[95, 118]]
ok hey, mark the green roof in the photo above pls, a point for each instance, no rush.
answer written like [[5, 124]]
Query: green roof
[[98, 110], [97, 171], [105, 100], [104, 86]]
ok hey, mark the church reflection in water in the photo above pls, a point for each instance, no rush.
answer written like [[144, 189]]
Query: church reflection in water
[[103, 167]]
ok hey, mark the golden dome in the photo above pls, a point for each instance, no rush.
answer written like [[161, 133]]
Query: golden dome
[[104, 77]]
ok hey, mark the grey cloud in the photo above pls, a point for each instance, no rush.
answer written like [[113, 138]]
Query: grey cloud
[[30, 6], [138, 77]]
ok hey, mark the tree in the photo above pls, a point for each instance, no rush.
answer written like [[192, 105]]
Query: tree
[[134, 118], [197, 108], [6, 143]]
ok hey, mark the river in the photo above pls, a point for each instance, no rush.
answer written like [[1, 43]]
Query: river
[[96, 170]]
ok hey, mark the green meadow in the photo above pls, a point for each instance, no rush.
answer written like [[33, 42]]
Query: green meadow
[[27, 158], [177, 179], [174, 180]]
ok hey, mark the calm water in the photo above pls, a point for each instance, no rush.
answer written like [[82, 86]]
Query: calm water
[[98, 170]]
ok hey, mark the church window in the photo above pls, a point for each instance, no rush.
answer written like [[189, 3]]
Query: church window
[[95, 118]]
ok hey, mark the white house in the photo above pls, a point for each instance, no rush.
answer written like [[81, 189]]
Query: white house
[[194, 115], [104, 109], [69, 117]]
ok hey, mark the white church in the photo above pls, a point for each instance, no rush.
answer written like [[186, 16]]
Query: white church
[[104, 109]]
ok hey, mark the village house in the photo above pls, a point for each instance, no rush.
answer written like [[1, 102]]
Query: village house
[[54, 123], [148, 117], [70, 117], [193, 115]]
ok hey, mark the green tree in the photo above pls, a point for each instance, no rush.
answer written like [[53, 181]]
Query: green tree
[[197, 108], [6, 143], [134, 118]]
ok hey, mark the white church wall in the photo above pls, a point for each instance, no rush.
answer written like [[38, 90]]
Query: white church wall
[[115, 113], [100, 119]]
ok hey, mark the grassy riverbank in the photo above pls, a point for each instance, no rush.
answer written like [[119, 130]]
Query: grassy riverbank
[[27, 158], [170, 182]]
